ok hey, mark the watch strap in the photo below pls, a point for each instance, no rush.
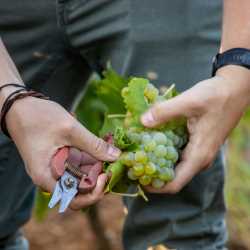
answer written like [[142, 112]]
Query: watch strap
[[235, 56]]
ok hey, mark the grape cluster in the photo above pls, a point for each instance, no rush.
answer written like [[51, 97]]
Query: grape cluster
[[154, 160]]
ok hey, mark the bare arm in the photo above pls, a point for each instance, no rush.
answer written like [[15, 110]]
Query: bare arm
[[236, 24], [8, 73]]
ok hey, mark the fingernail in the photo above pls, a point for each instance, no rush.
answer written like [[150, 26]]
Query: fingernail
[[147, 118], [113, 152]]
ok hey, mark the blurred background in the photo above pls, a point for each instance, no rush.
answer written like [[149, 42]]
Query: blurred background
[[100, 228]]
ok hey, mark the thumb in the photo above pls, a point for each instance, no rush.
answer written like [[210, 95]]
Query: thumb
[[165, 111], [84, 140]]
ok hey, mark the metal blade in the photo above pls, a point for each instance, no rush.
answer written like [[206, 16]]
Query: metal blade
[[66, 199], [56, 196], [69, 185]]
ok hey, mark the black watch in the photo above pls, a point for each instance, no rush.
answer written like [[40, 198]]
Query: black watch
[[236, 56]]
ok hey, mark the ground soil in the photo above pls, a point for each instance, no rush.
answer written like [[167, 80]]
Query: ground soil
[[73, 231]]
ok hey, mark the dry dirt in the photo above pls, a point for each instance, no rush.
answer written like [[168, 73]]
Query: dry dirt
[[72, 231]]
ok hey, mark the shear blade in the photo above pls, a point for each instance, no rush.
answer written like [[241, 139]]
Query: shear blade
[[66, 199], [56, 196]]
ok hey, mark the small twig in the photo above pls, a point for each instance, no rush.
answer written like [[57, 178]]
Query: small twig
[[168, 90], [141, 192], [116, 116], [123, 194]]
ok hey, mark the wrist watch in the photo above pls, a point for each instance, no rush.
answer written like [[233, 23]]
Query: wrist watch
[[235, 56]]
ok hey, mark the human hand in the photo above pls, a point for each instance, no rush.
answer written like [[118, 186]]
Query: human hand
[[213, 108], [39, 128]]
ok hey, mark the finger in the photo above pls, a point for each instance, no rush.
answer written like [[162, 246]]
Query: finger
[[93, 145], [85, 200], [45, 181], [100, 185], [167, 110]]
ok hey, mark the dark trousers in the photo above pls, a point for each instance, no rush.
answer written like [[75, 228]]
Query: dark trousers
[[56, 46]]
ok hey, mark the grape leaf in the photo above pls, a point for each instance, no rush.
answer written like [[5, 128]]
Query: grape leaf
[[117, 169], [121, 139], [134, 99], [109, 89], [109, 125]]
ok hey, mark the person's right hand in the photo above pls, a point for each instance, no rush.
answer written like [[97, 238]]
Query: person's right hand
[[39, 128]]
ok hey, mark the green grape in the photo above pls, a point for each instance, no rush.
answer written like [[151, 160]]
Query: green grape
[[146, 138], [181, 142], [161, 162], [138, 169], [169, 164], [150, 146], [150, 168], [172, 154], [157, 183], [160, 138], [128, 158], [131, 175], [185, 139], [145, 180], [124, 91], [134, 137], [169, 142], [170, 134], [181, 131], [176, 140], [152, 157], [160, 151], [141, 156], [151, 93], [166, 174]]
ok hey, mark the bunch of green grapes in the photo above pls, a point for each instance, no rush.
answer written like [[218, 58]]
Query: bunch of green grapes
[[153, 162]]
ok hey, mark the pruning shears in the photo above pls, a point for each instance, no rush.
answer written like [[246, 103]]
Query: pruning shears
[[75, 175]]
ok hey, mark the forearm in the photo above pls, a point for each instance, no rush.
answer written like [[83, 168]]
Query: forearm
[[236, 24], [8, 73], [235, 34]]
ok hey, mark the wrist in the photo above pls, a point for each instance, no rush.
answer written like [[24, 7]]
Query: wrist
[[5, 92], [237, 82]]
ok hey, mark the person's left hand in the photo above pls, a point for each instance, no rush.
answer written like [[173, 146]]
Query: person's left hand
[[213, 108]]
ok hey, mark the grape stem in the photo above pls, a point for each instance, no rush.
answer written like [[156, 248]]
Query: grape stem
[[125, 194], [169, 89], [116, 116], [140, 192]]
